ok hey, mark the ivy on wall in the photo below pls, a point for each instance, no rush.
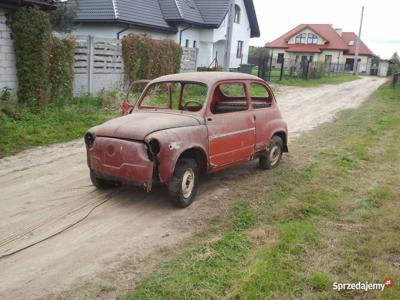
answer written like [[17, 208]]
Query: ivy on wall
[[44, 63], [145, 58], [61, 72], [32, 35]]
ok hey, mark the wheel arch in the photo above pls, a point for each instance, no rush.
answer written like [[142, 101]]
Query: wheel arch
[[199, 155], [283, 135]]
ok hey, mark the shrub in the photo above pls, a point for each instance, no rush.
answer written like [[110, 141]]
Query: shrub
[[145, 58], [32, 35], [61, 72]]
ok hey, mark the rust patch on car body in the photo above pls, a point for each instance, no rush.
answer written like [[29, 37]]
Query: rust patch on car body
[[147, 141]]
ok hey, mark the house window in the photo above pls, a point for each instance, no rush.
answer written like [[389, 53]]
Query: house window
[[237, 14], [280, 57], [194, 44], [239, 51], [187, 44], [312, 39], [301, 38]]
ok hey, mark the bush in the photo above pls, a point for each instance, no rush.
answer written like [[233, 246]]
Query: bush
[[145, 58], [32, 35], [61, 72]]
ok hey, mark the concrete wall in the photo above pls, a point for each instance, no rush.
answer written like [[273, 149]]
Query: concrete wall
[[189, 60], [8, 72]]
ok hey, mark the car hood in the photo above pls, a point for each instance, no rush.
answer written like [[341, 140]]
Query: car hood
[[138, 124]]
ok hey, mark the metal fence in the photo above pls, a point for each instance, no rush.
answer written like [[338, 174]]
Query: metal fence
[[275, 69]]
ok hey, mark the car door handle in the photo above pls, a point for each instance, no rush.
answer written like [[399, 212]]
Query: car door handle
[[254, 117], [209, 119]]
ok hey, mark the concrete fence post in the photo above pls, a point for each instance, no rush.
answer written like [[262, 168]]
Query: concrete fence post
[[91, 42]]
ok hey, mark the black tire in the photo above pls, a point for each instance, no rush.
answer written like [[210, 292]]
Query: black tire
[[271, 158], [186, 168], [102, 184]]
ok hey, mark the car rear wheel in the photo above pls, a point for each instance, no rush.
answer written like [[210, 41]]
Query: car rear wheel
[[271, 158], [102, 184], [183, 186]]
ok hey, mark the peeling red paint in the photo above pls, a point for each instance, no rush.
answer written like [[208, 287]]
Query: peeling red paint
[[217, 139]]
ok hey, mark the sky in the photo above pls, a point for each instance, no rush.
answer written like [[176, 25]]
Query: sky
[[381, 26]]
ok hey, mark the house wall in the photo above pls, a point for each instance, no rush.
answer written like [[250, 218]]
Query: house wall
[[337, 57], [8, 72], [110, 31], [241, 32]]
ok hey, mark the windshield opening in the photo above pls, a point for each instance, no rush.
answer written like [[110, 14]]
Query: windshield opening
[[180, 96]]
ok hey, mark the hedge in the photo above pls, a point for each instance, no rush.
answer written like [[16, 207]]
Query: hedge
[[145, 58]]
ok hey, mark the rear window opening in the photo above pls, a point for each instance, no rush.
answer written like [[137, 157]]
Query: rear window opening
[[228, 98]]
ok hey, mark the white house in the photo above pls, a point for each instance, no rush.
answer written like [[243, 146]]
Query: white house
[[200, 24]]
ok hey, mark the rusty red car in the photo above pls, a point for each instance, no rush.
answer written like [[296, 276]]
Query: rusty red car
[[184, 126]]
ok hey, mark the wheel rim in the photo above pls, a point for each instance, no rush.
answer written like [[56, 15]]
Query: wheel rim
[[188, 183], [274, 155]]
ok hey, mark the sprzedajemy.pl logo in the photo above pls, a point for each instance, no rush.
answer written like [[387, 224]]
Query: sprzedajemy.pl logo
[[363, 286]]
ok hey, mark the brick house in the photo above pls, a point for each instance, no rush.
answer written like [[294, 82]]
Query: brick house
[[8, 73]]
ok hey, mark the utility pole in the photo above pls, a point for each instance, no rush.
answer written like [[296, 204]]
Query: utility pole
[[358, 44], [229, 33]]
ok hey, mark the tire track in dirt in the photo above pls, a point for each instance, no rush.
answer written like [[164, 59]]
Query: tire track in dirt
[[44, 189]]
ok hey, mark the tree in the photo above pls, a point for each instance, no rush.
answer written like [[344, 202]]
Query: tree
[[395, 59], [62, 18]]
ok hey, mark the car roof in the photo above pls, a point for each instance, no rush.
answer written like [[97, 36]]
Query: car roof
[[208, 78]]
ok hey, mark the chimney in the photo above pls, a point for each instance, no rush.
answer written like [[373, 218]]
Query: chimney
[[339, 31]]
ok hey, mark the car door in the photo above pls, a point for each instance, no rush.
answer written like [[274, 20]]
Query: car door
[[230, 125], [264, 110]]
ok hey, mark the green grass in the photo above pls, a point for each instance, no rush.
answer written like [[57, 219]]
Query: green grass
[[327, 79], [22, 128], [329, 213], [334, 79]]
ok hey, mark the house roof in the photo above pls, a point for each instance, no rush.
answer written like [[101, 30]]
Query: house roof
[[44, 4], [351, 36], [334, 41], [162, 14]]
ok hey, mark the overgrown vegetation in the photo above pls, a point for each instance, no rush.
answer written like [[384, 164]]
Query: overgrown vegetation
[[61, 70], [328, 214], [62, 18], [32, 36], [44, 63], [145, 58]]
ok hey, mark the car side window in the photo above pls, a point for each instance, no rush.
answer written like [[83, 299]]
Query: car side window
[[260, 96], [161, 95], [228, 98]]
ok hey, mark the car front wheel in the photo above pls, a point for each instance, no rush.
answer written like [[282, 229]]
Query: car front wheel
[[271, 158], [183, 186]]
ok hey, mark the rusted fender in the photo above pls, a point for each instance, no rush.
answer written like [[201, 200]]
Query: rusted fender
[[174, 142]]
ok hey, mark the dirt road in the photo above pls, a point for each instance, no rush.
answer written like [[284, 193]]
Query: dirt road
[[47, 189]]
